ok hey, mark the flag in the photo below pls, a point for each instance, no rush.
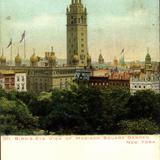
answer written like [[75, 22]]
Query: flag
[[8, 18], [23, 36], [10, 43], [122, 50]]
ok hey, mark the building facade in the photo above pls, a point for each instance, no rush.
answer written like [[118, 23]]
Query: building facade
[[77, 39], [144, 84], [41, 79], [7, 79], [20, 82], [2, 81]]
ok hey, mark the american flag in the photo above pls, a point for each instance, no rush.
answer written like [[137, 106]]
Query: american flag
[[10, 43], [23, 36]]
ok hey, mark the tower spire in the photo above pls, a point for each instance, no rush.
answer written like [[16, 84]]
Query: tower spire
[[77, 40], [52, 49], [148, 50], [2, 51]]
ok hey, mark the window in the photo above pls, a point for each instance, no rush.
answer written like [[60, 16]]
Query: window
[[18, 79], [22, 86], [18, 87], [22, 78]]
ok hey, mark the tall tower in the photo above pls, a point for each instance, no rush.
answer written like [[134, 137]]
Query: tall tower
[[77, 40]]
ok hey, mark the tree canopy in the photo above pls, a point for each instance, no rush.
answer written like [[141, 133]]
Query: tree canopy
[[80, 110]]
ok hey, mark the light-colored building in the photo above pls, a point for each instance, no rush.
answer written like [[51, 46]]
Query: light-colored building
[[21, 82], [138, 84], [2, 81], [40, 79], [12, 80], [77, 39]]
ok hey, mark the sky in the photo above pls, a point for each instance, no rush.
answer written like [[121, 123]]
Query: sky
[[112, 26]]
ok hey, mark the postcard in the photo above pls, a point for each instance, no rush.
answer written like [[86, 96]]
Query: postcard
[[79, 79]]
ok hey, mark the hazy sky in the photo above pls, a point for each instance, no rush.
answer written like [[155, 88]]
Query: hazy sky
[[112, 26]]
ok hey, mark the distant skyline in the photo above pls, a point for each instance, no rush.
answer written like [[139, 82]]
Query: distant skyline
[[112, 26]]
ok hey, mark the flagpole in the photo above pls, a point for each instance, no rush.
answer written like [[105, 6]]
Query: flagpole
[[11, 55], [2, 51], [24, 48]]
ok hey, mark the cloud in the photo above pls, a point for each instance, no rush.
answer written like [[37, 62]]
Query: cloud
[[38, 22]]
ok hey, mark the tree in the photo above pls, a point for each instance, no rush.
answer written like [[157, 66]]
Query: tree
[[144, 104], [15, 118], [141, 126], [115, 101]]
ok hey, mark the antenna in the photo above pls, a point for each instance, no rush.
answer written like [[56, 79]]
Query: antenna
[[33, 50], [2, 51], [52, 49], [18, 50]]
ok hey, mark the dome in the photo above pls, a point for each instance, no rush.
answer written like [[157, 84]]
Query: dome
[[148, 58], [75, 59], [100, 56], [18, 59], [2, 59], [115, 61], [34, 58]]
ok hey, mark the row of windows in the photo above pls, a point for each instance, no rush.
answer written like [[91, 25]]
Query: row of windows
[[58, 72], [107, 84], [99, 84], [78, 21], [140, 87], [20, 78], [9, 80], [119, 84], [74, 34], [20, 87]]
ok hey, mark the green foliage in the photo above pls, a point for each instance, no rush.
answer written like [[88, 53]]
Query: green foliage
[[141, 126], [15, 117], [80, 110], [144, 104], [2, 93]]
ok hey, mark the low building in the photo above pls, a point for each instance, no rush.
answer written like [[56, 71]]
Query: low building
[[2, 81], [40, 79], [12, 80], [8, 80], [109, 80], [100, 72], [147, 83], [99, 81], [20, 82]]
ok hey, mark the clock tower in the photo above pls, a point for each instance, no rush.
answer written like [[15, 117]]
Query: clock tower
[[77, 40]]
